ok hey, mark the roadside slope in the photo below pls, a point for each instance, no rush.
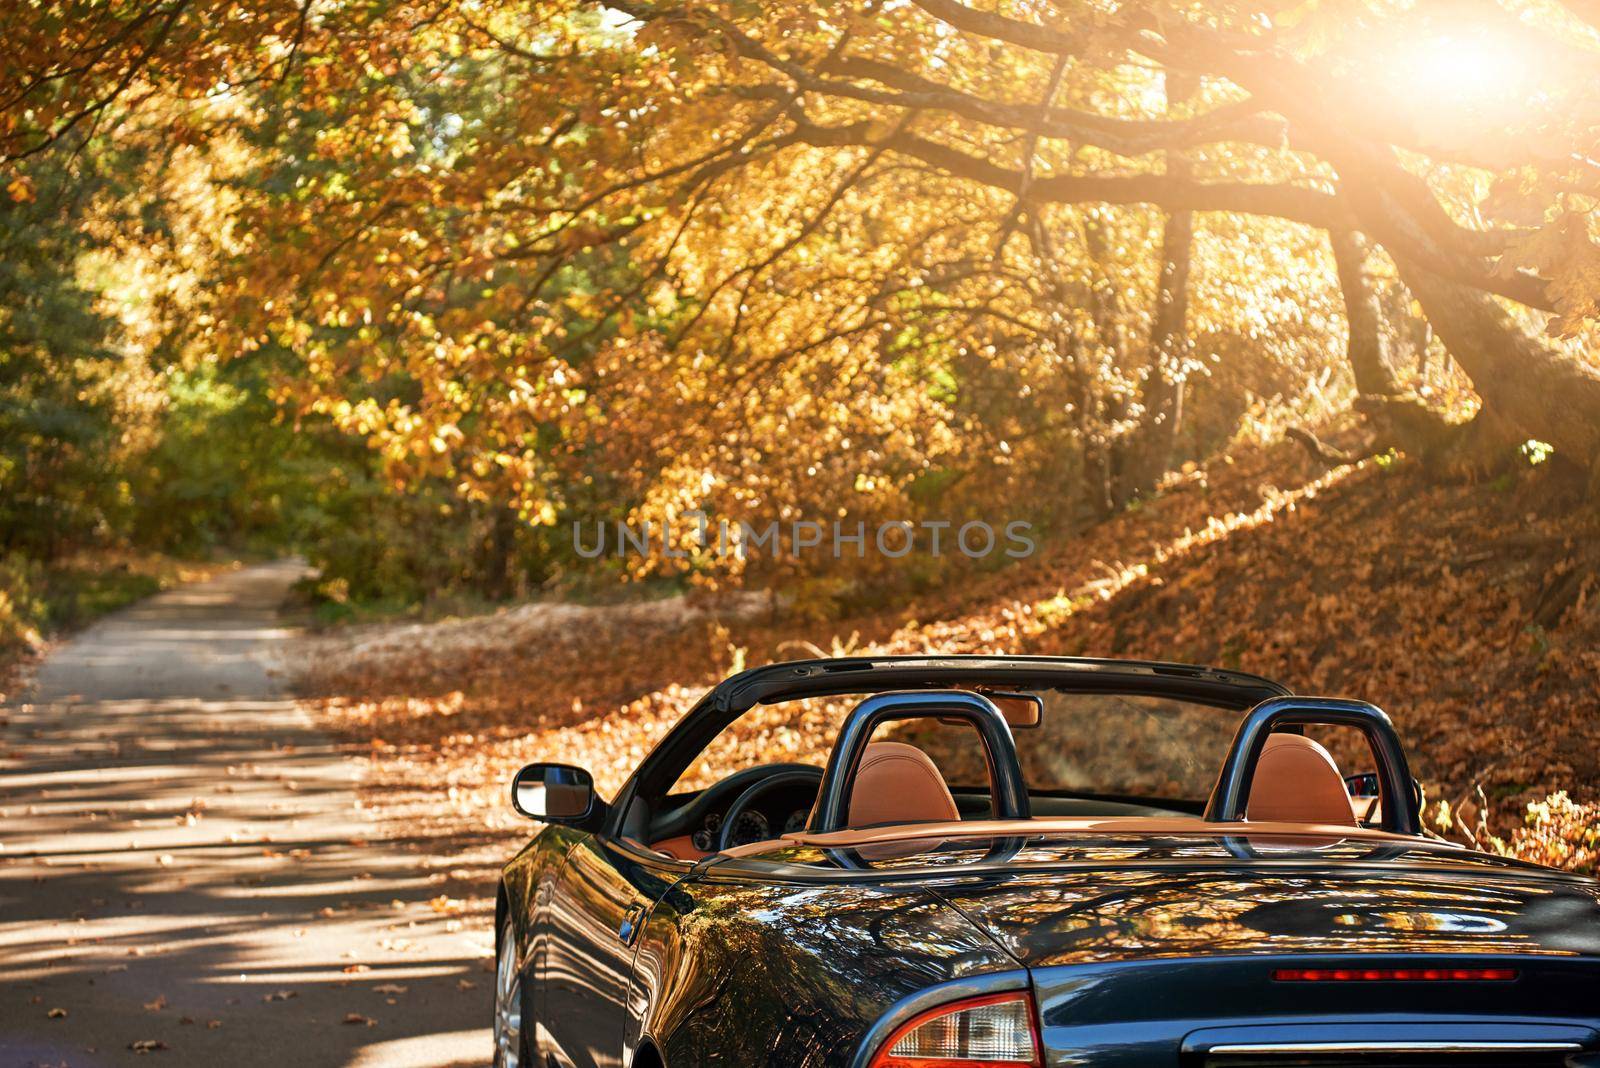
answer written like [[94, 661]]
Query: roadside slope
[[1465, 610]]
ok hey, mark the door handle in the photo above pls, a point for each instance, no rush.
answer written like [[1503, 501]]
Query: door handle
[[632, 923]]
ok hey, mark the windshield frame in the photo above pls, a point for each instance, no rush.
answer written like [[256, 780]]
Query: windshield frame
[[775, 683]]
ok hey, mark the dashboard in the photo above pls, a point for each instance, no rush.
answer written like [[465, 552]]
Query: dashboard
[[693, 823], [755, 824], [690, 825]]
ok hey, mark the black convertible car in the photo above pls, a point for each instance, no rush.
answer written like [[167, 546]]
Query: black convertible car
[[1027, 861]]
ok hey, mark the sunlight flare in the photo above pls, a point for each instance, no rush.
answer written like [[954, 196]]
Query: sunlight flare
[[1463, 70]]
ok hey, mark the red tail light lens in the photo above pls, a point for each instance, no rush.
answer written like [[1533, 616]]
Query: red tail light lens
[[1391, 975], [995, 1031]]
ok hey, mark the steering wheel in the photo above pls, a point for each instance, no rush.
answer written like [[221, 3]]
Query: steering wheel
[[747, 799]]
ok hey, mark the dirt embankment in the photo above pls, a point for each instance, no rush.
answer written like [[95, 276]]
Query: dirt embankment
[[1465, 610]]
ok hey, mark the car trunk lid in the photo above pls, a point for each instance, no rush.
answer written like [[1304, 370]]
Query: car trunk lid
[[1173, 952], [1081, 901]]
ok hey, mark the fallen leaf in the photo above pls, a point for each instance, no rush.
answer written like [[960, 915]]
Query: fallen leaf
[[357, 1018], [148, 1045]]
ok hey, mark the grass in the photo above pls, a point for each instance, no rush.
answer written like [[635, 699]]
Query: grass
[[76, 596], [328, 603], [40, 602]]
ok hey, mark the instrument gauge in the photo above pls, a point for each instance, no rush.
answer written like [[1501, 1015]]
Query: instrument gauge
[[751, 826]]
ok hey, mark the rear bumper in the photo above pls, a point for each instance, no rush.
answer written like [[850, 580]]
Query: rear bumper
[[1504, 1044]]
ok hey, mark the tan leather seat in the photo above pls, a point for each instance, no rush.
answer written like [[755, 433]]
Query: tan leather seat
[[1296, 781], [899, 783]]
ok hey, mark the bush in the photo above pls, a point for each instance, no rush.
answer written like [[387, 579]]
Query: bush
[[39, 601], [22, 609], [1558, 832]]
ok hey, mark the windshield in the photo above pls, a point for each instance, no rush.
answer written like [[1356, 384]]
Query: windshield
[[1111, 744], [1145, 747], [1101, 744]]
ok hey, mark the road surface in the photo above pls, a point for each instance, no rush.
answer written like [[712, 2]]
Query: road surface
[[183, 868]]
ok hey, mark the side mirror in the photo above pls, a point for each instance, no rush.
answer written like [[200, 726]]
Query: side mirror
[[1362, 785], [1366, 796], [553, 793]]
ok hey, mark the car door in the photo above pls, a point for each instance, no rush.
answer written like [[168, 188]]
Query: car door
[[599, 901]]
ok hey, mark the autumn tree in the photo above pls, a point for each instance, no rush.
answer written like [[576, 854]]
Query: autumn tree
[[857, 261], [1298, 95]]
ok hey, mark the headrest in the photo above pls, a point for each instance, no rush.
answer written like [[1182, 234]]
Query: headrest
[[899, 783], [1296, 781]]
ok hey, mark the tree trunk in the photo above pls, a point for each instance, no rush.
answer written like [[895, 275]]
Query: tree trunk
[[1366, 347], [1415, 334], [1169, 336], [1530, 387], [1086, 407], [1105, 309], [500, 553], [1169, 348]]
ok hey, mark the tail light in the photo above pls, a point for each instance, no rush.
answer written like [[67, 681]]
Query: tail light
[[995, 1031], [1390, 975]]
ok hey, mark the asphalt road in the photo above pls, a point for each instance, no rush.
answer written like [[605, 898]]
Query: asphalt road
[[183, 868]]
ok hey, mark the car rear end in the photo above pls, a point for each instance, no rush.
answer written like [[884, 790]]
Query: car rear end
[[1203, 953], [1322, 1010]]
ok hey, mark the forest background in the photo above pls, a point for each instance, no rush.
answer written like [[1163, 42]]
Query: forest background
[[410, 287]]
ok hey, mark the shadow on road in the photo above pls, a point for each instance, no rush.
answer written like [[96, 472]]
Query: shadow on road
[[185, 866]]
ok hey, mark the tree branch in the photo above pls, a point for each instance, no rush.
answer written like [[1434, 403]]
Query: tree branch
[[1241, 121], [1388, 223], [94, 108], [1000, 28], [1281, 201]]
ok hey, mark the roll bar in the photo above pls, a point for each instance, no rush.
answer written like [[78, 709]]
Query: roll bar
[[1232, 792], [832, 811]]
